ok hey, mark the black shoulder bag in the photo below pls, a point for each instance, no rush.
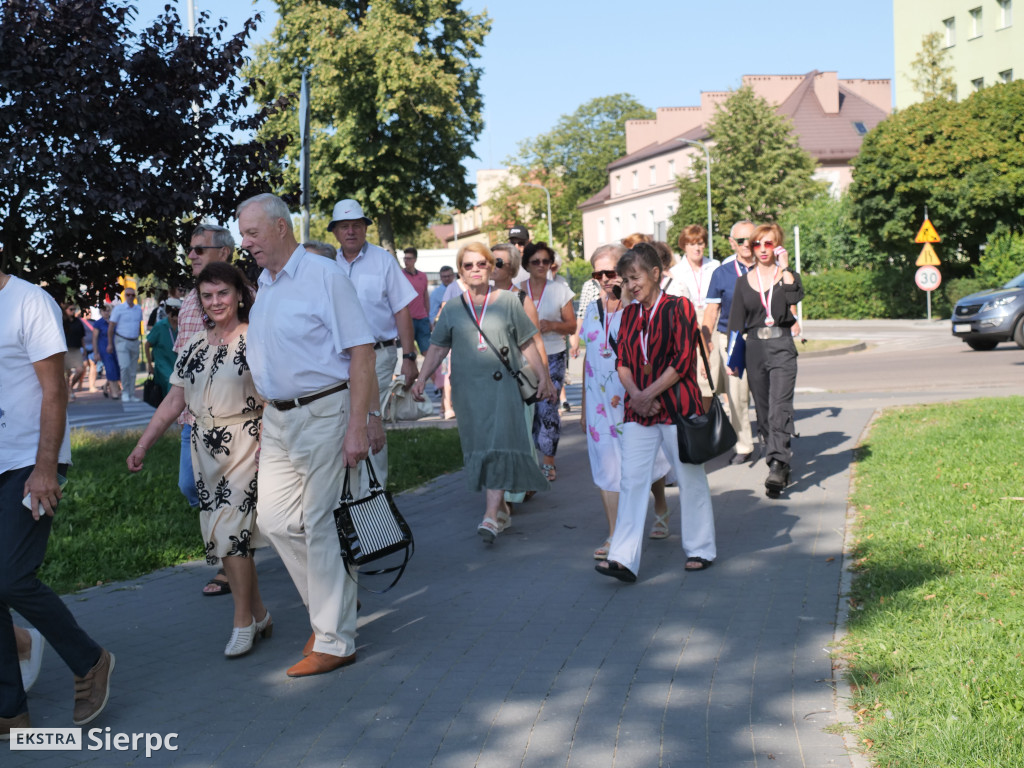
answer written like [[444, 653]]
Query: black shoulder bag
[[703, 437]]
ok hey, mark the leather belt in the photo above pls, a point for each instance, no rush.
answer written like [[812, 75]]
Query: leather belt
[[388, 343], [287, 405], [126, 338], [772, 333]]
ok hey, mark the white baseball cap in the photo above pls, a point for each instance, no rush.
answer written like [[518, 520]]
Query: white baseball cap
[[347, 210]]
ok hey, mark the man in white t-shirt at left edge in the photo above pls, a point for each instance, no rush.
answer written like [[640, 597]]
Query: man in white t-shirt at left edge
[[385, 295]]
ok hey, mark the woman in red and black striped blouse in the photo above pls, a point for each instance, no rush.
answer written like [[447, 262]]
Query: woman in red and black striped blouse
[[656, 356]]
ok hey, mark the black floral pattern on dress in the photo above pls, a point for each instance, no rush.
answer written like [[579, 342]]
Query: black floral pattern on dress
[[252, 426], [211, 559], [239, 359], [218, 359], [203, 493], [192, 361], [221, 494], [216, 441], [248, 505], [240, 544]]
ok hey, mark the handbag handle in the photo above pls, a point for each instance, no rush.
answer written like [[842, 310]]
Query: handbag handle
[[399, 568], [346, 491]]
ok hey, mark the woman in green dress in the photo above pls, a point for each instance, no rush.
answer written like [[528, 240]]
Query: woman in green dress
[[496, 445], [160, 345]]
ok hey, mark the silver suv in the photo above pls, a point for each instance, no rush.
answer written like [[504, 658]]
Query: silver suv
[[986, 318]]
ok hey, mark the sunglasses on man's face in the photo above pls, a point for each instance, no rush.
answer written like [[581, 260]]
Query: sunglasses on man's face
[[741, 240], [541, 262], [201, 249], [609, 274], [765, 243]]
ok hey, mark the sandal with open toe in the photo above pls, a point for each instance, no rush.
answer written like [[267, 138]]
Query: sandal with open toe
[[698, 563], [660, 528], [504, 516], [616, 571], [488, 531], [220, 582], [601, 553], [549, 472]]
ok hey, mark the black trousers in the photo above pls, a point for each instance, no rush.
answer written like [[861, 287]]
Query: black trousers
[[771, 371], [22, 548]]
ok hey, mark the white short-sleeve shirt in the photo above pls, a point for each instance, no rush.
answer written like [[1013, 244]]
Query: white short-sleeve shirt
[[30, 330], [301, 326], [549, 305], [696, 282], [383, 289]]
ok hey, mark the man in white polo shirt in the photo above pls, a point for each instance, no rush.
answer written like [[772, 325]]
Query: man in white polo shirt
[[123, 335], [385, 296], [310, 351]]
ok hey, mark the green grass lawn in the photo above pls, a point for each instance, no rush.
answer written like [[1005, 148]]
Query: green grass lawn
[[936, 631], [113, 525]]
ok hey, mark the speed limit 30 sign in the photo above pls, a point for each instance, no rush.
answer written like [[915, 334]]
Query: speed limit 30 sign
[[927, 278]]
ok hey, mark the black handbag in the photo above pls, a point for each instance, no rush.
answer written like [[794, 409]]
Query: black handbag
[[703, 437], [526, 378], [372, 528], [152, 394]]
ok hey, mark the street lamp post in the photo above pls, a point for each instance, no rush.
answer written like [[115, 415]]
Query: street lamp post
[[707, 156], [551, 232]]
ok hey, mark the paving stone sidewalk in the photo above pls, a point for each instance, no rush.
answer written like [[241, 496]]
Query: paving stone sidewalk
[[515, 654]]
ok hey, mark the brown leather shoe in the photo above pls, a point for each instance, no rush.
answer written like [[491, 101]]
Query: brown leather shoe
[[18, 721], [317, 663], [93, 690], [308, 647]]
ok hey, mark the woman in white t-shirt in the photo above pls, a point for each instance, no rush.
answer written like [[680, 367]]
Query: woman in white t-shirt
[[557, 320]]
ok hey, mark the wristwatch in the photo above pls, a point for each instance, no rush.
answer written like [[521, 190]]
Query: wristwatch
[[409, 356], [373, 413]]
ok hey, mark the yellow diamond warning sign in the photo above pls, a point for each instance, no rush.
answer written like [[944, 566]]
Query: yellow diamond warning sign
[[928, 257], [927, 234]]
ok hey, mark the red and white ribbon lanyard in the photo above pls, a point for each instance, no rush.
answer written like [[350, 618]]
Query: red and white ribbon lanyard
[[736, 266], [482, 343], [529, 290], [645, 331], [698, 279], [607, 351], [769, 321]]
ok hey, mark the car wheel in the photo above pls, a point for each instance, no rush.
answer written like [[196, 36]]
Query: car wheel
[[1018, 332], [982, 345]]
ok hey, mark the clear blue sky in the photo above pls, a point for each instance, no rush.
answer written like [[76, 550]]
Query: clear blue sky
[[544, 58]]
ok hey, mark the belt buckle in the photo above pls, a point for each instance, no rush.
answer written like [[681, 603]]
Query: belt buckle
[[764, 333]]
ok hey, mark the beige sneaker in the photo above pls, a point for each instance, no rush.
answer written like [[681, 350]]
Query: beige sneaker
[[18, 721], [93, 690]]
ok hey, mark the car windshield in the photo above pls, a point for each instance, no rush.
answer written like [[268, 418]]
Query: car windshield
[[1017, 282]]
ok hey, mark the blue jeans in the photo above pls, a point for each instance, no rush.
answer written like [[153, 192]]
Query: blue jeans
[[186, 477], [22, 548], [421, 332]]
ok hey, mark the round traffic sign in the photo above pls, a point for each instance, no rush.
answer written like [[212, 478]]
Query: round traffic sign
[[928, 278]]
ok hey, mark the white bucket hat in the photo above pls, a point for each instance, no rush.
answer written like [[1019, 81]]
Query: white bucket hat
[[347, 210]]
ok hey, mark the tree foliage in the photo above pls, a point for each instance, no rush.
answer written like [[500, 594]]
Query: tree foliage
[[830, 238], [758, 169], [103, 163], [964, 161], [933, 74], [571, 161], [395, 103]]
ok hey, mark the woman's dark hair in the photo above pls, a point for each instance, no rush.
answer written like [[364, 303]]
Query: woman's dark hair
[[531, 250], [666, 254], [222, 272], [643, 256]]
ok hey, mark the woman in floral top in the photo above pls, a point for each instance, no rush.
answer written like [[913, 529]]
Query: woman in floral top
[[603, 393]]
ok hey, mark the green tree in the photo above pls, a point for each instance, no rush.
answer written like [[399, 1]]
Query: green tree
[[571, 161], [104, 165], [758, 169], [395, 104], [964, 161], [1002, 260], [830, 237], [933, 74]]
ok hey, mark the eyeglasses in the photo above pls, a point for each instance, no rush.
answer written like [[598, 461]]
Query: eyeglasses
[[477, 264], [201, 249], [609, 274], [499, 263], [541, 262], [765, 243], [519, 243], [741, 240]]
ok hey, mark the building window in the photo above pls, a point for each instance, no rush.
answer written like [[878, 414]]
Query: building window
[[650, 221], [616, 228], [618, 185], [860, 128], [950, 25], [671, 169], [633, 223], [654, 175], [601, 239], [636, 179], [978, 83], [975, 22], [1005, 13], [1006, 75]]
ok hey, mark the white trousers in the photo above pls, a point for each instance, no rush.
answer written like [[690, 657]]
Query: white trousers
[[739, 398], [300, 478], [640, 446], [127, 351]]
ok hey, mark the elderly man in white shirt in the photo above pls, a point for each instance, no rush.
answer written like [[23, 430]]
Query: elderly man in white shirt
[[310, 351], [385, 295]]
